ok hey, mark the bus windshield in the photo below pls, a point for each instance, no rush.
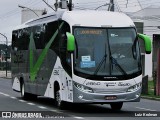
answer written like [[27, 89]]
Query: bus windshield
[[106, 52]]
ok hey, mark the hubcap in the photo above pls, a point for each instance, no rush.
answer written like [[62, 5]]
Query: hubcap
[[22, 92]]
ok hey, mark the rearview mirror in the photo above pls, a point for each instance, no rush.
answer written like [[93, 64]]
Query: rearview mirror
[[147, 42], [70, 42]]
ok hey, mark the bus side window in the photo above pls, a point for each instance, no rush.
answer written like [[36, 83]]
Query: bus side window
[[51, 29], [20, 39], [39, 32], [64, 54], [63, 43], [14, 40], [25, 38]]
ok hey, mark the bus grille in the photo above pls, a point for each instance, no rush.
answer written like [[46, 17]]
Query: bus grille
[[113, 91]]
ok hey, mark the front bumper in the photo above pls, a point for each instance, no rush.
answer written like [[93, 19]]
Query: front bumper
[[82, 97]]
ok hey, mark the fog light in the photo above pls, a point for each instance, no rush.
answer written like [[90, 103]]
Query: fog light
[[137, 95]]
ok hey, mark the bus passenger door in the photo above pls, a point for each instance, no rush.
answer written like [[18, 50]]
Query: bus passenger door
[[67, 87]]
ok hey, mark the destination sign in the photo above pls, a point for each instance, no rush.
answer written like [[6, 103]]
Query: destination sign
[[94, 32]]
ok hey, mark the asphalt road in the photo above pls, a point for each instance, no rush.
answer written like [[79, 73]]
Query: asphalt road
[[11, 101]]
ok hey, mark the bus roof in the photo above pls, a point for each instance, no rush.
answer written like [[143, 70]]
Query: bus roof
[[90, 18], [97, 18]]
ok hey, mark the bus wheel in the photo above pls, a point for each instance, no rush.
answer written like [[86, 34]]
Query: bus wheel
[[116, 105], [58, 101], [24, 95]]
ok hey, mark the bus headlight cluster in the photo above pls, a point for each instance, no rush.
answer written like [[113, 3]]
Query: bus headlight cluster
[[134, 87], [83, 88]]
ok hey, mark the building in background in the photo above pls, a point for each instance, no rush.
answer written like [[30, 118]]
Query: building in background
[[28, 14]]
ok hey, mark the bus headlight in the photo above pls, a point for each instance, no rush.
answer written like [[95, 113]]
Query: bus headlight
[[83, 88], [134, 87]]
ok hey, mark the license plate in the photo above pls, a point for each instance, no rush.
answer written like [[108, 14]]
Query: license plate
[[111, 97]]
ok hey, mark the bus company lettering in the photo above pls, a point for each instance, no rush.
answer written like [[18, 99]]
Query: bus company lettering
[[110, 84], [123, 84], [93, 83], [56, 72]]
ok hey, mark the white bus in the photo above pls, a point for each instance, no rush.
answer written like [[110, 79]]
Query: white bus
[[79, 57]]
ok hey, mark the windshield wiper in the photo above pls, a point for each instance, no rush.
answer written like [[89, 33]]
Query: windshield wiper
[[117, 65], [102, 61]]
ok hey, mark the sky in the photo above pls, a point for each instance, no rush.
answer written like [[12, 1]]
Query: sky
[[10, 13]]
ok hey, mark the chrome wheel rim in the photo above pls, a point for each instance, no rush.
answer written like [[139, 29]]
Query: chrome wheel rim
[[22, 91], [58, 98]]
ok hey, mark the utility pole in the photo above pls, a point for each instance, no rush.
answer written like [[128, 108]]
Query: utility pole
[[112, 5], [56, 5], [70, 5]]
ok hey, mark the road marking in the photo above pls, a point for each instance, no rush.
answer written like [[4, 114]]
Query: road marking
[[30, 103], [79, 118], [145, 109], [42, 107], [5, 94], [13, 97], [22, 101], [56, 111], [53, 110]]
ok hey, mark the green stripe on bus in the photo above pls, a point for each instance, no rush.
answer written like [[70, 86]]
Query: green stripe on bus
[[35, 68]]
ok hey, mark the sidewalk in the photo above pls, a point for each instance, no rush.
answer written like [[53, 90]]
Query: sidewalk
[[150, 98], [3, 74]]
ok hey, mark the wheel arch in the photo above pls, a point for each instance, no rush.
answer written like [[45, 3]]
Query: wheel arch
[[56, 86]]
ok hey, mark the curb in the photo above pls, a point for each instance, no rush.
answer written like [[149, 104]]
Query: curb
[[3, 75], [150, 98], [6, 77]]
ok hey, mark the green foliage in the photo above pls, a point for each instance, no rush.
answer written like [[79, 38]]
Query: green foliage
[[151, 90]]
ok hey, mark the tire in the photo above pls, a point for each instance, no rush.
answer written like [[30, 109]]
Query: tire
[[59, 103], [24, 95], [116, 105]]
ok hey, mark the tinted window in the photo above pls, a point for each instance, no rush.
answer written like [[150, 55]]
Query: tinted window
[[39, 36], [20, 39]]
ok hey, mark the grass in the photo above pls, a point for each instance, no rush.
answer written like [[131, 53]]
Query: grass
[[150, 90], [150, 87]]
